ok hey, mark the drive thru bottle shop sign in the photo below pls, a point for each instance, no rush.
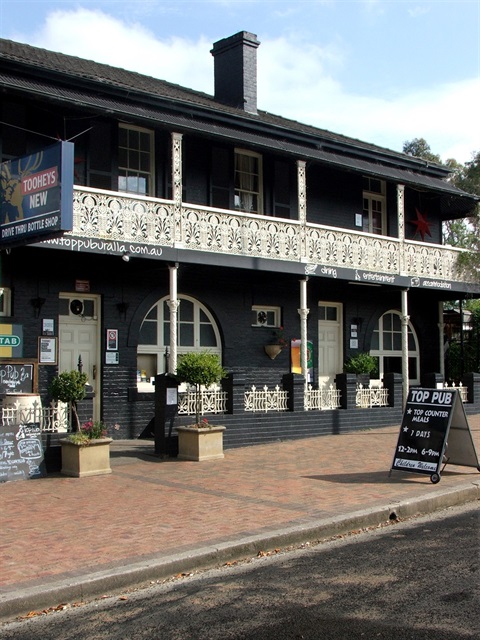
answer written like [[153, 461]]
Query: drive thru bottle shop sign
[[36, 195]]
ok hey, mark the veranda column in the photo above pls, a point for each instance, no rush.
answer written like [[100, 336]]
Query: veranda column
[[177, 186], [303, 312], [405, 319], [441, 345], [401, 224], [173, 306], [302, 204]]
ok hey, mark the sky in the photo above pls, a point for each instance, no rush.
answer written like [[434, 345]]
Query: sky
[[381, 71]]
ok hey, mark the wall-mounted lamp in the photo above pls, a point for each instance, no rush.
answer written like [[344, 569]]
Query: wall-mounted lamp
[[126, 257], [37, 304], [122, 309]]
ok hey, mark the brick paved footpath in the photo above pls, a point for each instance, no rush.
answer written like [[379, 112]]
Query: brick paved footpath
[[58, 527]]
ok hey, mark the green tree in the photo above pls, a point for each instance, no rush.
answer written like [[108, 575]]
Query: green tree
[[199, 369], [468, 179], [465, 232], [419, 148], [69, 386]]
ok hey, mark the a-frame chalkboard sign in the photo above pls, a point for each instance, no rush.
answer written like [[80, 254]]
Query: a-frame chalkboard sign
[[434, 432]]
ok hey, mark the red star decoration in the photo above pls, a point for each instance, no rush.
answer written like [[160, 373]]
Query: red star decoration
[[422, 224]]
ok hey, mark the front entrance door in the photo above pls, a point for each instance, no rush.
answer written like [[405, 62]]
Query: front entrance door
[[330, 345], [79, 339]]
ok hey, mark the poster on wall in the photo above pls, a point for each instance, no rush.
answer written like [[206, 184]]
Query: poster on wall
[[36, 195], [295, 354]]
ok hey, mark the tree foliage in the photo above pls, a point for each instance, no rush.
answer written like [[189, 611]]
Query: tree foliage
[[69, 386], [458, 233], [419, 148], [199, 369]]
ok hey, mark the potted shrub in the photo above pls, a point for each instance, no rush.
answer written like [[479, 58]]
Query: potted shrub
[[69, 387], [202, 440], [363, 365], [86, 452]]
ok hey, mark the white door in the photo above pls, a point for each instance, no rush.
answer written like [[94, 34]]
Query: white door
[[330, 344], [79, 339]]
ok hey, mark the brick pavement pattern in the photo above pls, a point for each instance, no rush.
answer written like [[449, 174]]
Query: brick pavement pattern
[[58, 527]]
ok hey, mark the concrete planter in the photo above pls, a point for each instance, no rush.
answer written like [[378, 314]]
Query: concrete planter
[[203, 443], [90, 460]]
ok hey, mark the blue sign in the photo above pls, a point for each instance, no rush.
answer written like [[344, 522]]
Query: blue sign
[[36, 195]]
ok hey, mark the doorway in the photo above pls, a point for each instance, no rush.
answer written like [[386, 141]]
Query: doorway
[[330, 344], [79, 339]]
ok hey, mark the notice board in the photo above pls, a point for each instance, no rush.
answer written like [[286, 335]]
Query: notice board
[[434, 431], [21, 452]]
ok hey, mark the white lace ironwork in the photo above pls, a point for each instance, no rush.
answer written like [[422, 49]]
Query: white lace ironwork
[[212, 401], [55, 418], [372, 396], [463, 390], [104, 218], [322, 398], [265, 399]]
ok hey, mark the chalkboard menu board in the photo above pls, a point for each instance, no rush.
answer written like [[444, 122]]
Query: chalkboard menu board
[[21, 452], [16, 377], [434, 431]]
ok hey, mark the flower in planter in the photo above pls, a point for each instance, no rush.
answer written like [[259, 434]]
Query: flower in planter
[[279, 337], [89, 431]]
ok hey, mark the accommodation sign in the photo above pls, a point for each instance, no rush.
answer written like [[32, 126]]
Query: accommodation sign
[[36, 195]]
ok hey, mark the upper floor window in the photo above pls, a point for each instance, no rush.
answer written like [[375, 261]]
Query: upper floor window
[[248, 181], [374, 206], [135, 160], [5, 301]]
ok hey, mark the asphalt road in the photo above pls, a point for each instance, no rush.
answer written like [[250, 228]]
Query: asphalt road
[[418, 579]]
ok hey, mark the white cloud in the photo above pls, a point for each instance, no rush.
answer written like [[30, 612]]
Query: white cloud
[[94, 35], [296, 80]]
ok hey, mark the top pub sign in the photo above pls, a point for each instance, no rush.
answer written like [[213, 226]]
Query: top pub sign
[[36, 195]]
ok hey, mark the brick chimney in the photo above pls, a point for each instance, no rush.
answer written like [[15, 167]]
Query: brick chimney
[[236, 71]]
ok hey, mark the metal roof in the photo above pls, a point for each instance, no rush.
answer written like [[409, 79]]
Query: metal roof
[[110, 90]]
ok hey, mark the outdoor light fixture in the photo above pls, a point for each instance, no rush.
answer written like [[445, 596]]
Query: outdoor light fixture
[[37, 304], [126, 257]]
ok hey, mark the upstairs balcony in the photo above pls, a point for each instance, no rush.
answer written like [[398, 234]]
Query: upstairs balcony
[[144, 226]]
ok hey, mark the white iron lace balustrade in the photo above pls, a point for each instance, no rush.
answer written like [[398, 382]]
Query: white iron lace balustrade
[[371, 396], [104, 216], [265, 399], [212, 401], [325, 397], [463, 390], [55, 418]]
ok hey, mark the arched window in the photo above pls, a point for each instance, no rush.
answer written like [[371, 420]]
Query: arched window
[[387, 346], [196, 331]]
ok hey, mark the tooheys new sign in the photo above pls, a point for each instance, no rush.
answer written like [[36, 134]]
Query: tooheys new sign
[[36, 195]]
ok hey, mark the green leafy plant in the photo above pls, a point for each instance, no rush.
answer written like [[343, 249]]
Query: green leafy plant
[[361, 363], [200, 369], [69, 387], [89, 431], [279, 337]]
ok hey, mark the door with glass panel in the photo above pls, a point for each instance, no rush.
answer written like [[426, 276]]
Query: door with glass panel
[[330, 346]]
